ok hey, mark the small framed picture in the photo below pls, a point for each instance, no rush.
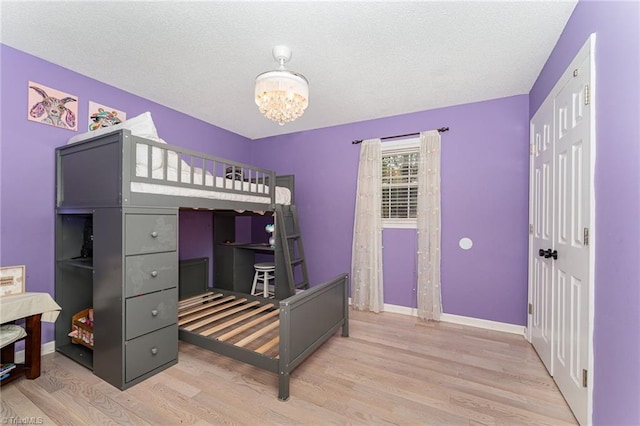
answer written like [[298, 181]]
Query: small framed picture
[[12, 280]]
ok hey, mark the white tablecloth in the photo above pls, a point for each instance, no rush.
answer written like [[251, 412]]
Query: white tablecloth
[[18, 306]]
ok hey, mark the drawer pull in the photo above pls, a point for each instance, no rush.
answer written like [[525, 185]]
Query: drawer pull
[[154, 234], [154, 351], [154, 313], [154, 274]]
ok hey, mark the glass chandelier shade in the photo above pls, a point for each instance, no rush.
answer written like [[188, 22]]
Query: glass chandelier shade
[[281, 95]]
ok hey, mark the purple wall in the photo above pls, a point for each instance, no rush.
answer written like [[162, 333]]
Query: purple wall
[[485, 163], [617, 192], [27, 205], [195, 226]]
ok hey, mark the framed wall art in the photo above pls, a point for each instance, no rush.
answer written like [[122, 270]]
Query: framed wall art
[[104, 116], [52, 107], [12, 280]]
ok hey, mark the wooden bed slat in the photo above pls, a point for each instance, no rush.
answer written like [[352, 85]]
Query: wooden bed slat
[[269, 345], [198, 297], [248, 325], [232, 321], [207, 302], [224, 314], [212, 310], [253, 336], [195, 307], [204, 306], [194, 301]]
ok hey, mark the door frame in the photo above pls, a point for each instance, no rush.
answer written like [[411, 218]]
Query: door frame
[[588, 48]]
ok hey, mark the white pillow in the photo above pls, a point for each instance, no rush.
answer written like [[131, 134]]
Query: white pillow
[[141, 125]]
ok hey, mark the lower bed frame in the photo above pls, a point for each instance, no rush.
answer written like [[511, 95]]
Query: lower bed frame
[[275, 336]]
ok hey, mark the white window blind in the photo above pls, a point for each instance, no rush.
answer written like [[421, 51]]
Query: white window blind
[[400, 184]]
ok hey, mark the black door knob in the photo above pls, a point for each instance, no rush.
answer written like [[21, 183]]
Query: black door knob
[[548, 253]]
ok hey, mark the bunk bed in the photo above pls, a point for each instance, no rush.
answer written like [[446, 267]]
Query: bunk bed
[[123, 168], [129, 185]]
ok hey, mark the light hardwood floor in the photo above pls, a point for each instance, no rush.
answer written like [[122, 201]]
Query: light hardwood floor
[[393, 369]]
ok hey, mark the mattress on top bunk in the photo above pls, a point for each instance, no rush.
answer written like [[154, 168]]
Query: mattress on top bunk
[[283, 195], [143, 126]]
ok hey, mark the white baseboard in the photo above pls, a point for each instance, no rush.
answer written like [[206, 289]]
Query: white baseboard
[[486, 324], [404, 310], [47, 348], [397, 309], [458, 319]]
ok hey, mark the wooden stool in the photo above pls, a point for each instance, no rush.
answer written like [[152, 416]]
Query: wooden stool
[[264, 273]]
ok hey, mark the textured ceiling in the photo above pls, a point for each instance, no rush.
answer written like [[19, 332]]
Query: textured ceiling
[[363, 60]]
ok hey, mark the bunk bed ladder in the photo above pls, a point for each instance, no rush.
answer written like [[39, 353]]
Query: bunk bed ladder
[[290, 242]]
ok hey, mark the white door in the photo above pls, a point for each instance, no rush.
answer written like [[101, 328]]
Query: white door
[[573, 222], [562, 204], [542, 197]]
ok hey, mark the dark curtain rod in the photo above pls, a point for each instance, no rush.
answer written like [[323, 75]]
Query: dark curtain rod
[[441, 130]]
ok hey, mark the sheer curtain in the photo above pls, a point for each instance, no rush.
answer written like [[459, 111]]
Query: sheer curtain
[[366, 253], [428, 218]]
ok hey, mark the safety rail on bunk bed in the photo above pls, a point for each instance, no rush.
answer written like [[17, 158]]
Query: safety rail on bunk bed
[[100, 171], [225, 175]]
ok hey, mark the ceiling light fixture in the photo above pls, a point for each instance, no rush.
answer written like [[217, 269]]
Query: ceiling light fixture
[[282, 95]]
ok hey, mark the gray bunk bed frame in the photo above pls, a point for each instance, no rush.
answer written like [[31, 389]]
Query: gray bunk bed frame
[[285, 332], [98, 172]]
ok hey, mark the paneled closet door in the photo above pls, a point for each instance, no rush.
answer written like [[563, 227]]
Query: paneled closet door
[[542, 202], [561, 259], [573, 219]]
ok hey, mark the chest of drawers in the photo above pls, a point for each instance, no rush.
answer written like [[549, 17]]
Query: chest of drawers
[[132, 284]]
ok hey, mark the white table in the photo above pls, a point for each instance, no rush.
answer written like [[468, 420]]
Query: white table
[[33, 307]]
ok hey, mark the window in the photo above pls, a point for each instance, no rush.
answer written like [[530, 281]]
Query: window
[[400, 183]]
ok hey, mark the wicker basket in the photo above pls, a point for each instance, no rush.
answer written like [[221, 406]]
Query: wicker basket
[[82, 328]]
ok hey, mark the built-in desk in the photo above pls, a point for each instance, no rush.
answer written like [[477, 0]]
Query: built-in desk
[[262, 247], [233, 269], [33, 307]]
